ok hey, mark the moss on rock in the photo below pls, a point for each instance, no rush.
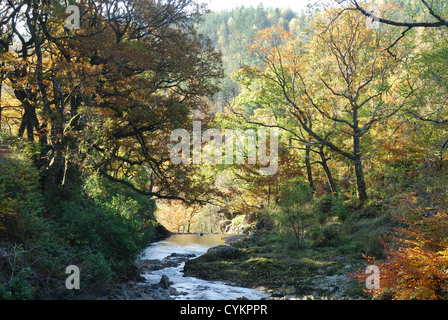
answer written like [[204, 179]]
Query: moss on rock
[[293, 273]]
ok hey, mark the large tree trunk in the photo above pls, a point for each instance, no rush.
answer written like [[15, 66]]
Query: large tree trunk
[[327, 169], [308, 166], [1, 90], [29, 120], [360, 182]]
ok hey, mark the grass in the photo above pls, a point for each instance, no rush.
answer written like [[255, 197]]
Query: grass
[[270, 260], [273, 268]]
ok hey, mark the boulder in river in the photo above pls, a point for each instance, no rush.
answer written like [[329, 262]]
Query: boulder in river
[[182, 255], [172, 260], [224, 252], [164, 282], [231, 240]]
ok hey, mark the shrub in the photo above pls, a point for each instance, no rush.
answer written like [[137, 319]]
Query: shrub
[[96, 270], [92, 229], [325, 236], [416, 263], [17, 288], [107, 220], [331, 205], [296, 210], [324, 206], [20, 201], [338, 207]]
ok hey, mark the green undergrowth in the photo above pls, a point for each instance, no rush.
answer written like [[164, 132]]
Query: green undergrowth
[[92, 223], [271, 267], [270, 259]]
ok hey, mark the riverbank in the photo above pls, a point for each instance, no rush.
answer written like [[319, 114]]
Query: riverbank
[[258, 262], [161, 272], [139, 289]]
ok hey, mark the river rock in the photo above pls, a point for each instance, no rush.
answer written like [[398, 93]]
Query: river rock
[[164, 282], [231, 240], [182, 255], [150, 264], [140, 291], [224, 252], [172, 260]]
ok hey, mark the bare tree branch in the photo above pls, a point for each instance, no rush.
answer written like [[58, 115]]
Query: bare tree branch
[[440, 21]]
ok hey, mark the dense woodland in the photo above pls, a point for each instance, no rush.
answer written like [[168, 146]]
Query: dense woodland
[[358, 98]]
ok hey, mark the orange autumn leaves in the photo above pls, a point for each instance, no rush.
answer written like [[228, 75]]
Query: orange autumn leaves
[[177, 217], [416, 266]]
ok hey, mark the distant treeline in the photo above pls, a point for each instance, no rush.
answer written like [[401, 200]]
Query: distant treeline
[[231, 31]]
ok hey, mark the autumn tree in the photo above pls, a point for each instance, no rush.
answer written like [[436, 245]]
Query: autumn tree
[[435, 11], [297, 210], [416, 259], [424, 22], [336, 87], [259, 92], [176, 216], [106, 97]]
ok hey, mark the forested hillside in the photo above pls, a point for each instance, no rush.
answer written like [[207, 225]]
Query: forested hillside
[[231, 31]]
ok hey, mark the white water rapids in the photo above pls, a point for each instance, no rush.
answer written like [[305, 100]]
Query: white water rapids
[[190, 287]]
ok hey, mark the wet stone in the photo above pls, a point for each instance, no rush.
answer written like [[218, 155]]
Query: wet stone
[[172, 260]]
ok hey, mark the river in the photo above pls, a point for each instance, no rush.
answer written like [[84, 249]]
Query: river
[[190, 287]]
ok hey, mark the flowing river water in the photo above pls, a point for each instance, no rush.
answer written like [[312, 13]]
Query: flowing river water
[[190, 287]]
